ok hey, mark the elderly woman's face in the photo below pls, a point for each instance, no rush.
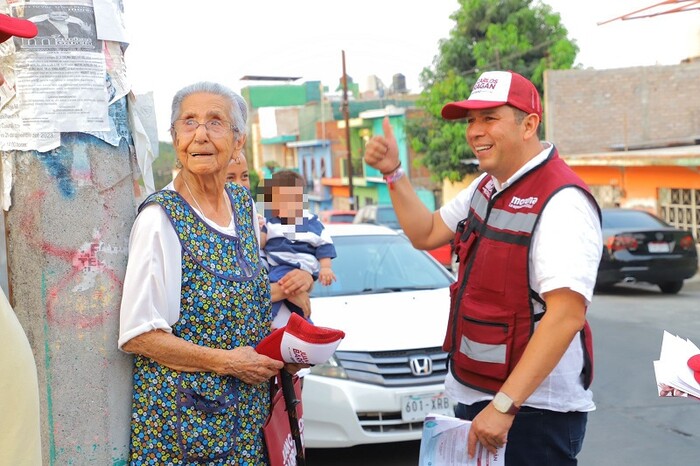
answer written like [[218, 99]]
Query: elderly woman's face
[[205, 151]]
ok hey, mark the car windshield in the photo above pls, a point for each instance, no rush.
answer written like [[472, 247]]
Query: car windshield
[[380, 264], [388, 217], [631, 219]]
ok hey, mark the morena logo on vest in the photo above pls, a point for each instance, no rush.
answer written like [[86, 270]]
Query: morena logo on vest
[[487, 189], [524, 203]]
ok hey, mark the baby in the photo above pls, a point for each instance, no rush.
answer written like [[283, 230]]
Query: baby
[[292, 238]]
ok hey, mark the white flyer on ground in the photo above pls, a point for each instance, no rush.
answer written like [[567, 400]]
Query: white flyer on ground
[[444, 443]]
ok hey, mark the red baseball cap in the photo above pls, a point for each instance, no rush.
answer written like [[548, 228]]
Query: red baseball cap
[[19, 27], [301, 342], [496, 88]]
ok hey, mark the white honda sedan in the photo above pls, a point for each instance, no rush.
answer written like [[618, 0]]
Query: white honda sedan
[[393, 302]]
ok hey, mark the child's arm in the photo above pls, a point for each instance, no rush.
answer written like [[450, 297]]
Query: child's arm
[[326, 275], [263, 239]]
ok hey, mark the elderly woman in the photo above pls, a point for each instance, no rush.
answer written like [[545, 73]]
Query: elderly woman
[[196, 301]]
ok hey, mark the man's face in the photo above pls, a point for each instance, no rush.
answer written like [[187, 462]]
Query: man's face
[[237, 171], [496, 139], [58, 16]]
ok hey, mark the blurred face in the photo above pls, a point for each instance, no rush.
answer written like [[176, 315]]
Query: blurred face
[[288, 201], [58, 16], [497, 140], [202, 152], [237, 171]]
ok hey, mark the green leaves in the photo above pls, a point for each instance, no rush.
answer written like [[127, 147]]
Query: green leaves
[[519, 35]]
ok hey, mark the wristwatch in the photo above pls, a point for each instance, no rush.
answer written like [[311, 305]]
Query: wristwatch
[[504, 404]]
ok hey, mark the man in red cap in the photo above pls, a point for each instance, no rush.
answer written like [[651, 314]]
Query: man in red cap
[[528, 237], [20, 434]]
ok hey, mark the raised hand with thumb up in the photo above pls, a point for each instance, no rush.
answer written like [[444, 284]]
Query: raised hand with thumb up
[[382, 152]]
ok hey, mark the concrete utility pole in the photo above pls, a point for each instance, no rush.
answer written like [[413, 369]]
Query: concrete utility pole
[[67, 234], [68, 231], [346, 116]]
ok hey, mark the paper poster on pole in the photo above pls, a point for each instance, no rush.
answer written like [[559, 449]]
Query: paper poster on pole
[[15, 136], [60, 73]]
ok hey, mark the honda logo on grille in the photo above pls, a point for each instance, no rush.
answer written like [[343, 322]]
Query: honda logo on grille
[[421, 365]]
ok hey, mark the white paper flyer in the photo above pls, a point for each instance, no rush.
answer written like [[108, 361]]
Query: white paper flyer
[[444, 443], [677, 370]]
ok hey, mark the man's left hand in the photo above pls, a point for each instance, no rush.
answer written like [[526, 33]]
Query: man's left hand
[[490, 428]]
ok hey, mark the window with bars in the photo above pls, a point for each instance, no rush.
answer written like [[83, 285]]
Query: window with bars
[[681, 208]]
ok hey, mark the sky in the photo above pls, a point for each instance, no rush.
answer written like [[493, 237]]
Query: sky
[[178, 42]]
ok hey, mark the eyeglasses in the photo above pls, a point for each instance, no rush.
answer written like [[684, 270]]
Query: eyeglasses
[[215, 128]]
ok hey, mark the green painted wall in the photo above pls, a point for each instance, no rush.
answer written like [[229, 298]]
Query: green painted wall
[[282, 95]]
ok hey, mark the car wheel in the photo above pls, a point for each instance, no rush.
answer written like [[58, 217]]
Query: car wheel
[[671, 287]]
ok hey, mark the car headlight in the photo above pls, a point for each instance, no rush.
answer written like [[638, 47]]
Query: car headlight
[[330, 368]]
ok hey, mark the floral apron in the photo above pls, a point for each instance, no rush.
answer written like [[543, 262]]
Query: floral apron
[[183, 418]]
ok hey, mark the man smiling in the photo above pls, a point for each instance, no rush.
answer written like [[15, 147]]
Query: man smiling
[[519, 344]]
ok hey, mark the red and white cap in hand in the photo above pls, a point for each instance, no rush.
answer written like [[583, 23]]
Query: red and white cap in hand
[[301, 342]]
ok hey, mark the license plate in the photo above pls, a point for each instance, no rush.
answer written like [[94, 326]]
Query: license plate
[[659, 247], [415, 407]]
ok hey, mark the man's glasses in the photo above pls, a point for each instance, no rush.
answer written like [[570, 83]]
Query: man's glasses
[[215, 128]]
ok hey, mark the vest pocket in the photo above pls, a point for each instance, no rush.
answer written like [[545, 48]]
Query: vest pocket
[[484, 347], [206, 417], [491, 257]]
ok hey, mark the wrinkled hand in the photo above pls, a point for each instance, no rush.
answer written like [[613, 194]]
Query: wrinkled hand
[[302, 300], [296, 281], [489, 428], [326, 276], [382, 152], [248, 365]]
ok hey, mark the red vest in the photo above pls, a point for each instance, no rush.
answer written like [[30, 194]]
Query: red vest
[[492, 315]]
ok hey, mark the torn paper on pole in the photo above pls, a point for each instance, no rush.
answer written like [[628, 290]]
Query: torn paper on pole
[[142, 121], [118, 84], [8, 164], [109, 20]]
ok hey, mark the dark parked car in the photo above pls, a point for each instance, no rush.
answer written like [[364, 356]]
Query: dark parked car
[[386, 216], [638, 246]]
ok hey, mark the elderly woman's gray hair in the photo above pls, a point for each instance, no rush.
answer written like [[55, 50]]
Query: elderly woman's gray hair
[[239, 108]]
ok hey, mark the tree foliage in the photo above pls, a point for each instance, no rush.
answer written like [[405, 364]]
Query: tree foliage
[[518, 35]]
